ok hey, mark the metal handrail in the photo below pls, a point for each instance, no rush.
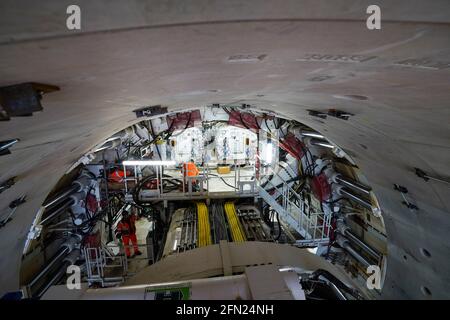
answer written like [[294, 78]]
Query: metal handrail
[[204, 178], [308, 223], [97, 261], [282, 179]]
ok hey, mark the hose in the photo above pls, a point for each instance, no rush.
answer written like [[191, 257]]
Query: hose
[[218, 222], [175, 185], [236, 230], [204, 228], [338, 283], [221, 178]]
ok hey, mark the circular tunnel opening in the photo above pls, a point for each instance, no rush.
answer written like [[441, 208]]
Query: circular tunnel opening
[[194, 178]]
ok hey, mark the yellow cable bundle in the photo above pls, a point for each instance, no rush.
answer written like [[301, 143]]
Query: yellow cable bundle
[[233, 221], [204, 230]]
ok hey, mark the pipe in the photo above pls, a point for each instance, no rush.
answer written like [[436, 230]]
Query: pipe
[[66, 248], [50, 283], [345, 236], [55, 279], [347, 247], [355, 185], [321, 143], [365, 203], [71, 243], [64, 206], [48, 266], [350, 236], [75, 194], [73, 188], [72, 257]]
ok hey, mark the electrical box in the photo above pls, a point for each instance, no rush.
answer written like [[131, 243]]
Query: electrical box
[[234, 143], [188, 145]]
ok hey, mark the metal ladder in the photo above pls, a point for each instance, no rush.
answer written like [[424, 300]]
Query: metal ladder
[[314, 227]]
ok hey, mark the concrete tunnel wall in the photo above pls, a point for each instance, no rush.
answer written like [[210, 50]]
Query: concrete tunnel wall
[[181, 55]]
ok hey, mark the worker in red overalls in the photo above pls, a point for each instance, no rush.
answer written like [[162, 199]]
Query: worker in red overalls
[[126, 229]]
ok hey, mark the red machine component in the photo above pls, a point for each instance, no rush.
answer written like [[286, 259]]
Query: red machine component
[[291, 144], [118, 175], [243, 120], [320, 187], [92, 240], [332, 231], [152, 184], [182, 120], [91, 203]]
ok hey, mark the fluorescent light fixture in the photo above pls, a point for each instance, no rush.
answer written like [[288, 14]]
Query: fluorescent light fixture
[[268, 153], [175, 244], [148, 163]]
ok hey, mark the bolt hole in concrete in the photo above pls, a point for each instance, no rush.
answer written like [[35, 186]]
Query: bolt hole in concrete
[[351, 97], [425, 253], [425, 291]]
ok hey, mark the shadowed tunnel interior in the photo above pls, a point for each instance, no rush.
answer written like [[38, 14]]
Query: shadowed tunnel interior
[[380, 98]]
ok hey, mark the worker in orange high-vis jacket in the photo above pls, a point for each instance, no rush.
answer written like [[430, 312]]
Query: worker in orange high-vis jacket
[[126, 229], [190, 170]]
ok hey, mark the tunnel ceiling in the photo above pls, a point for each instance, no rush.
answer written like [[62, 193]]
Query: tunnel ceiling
[[292, 58]]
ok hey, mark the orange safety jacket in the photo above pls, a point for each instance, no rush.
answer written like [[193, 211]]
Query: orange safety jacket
[[190, 169]]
